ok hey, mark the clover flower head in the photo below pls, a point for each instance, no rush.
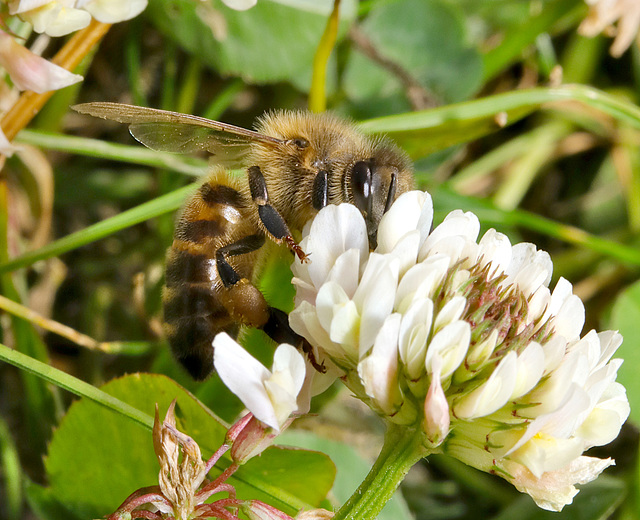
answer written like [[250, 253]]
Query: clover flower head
[[464, 340]]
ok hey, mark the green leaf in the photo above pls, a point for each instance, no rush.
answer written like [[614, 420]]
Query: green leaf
[[112, 456], [273, 41], [427, 40], [351, 471], [45, 505], [426, 131], [625, 317]]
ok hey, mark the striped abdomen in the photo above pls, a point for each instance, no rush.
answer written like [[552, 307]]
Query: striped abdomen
[[197, 304]]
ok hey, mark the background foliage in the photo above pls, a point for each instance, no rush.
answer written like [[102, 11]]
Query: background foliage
[[471, 90]]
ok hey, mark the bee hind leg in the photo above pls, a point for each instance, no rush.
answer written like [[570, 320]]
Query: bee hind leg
[[273, 221], [244, 302]]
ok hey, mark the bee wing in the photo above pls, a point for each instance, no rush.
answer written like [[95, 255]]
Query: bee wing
[[166, 131]]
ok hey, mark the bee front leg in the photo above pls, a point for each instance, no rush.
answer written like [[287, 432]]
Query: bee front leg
[[270, 217]]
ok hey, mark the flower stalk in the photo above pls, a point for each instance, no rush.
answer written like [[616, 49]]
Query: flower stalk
[[402, 448]]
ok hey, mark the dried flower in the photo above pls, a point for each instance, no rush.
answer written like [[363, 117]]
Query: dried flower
[[463, 339], [603, 14], [183, 490]]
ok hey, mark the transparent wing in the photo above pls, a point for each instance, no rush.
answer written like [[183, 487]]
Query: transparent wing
[[166, 131]]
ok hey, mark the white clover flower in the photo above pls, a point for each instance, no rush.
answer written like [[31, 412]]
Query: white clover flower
[[60, 17], [272, 396], [463, 339], [603, 14], [29, 71]]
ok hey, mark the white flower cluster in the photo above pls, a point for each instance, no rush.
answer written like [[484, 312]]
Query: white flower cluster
[[464, 340], [60, 17]]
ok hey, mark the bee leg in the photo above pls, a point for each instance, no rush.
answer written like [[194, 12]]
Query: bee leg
[[278, 329], [320, 190], [244, 302], [270, 217]]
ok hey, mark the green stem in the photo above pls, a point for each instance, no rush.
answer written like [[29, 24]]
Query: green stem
[[401, 450], [318, 94]]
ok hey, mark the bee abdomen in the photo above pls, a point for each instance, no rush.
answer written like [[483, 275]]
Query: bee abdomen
[[193, 314], [193, 309]]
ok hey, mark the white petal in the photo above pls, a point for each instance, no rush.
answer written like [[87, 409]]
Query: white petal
[[304, 321], [493, 394], [545, 453], [451, 312], [570, 318], [344, 329], [420, 281], [554, 351], [346, 271], [335, 230], [450, 345], [406, 250], [610, 341], [331, 298], [495, 249], [603, 424], [523, 255], [56, 19], [456, 223], [113, 11], [379, 371], [437, 418], [411, 211], [530, 367], [244, 376], [375, 297], [556, 489], [414, 333], [289, 363], [20, 6], [561, 292], [538, 303]]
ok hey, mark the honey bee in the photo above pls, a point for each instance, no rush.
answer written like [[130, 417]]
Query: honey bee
[[298, 162]]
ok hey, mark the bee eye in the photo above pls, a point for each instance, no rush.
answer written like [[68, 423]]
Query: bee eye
[[300, 142], [361, 186]]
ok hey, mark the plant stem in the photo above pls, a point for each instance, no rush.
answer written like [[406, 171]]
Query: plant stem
[[401, 450], [318, 94]]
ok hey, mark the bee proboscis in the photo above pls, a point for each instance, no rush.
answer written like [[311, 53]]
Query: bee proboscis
[[296, 163]]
